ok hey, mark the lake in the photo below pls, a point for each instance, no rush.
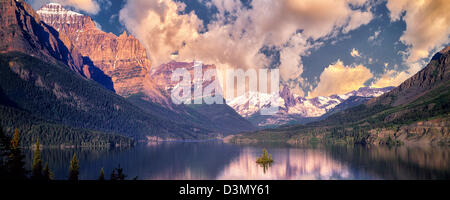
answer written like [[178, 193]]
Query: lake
[[217, 160]]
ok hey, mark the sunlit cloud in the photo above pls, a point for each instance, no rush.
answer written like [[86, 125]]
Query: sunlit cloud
[[340, 79], [374, 38], [237, 33], [427, 31], [427, 25], [390, 78], [355, 53]]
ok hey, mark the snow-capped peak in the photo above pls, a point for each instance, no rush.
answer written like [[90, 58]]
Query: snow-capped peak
[[56, 9], [251, 103]]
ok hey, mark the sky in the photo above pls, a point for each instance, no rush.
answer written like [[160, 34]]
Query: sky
[[322, 47]]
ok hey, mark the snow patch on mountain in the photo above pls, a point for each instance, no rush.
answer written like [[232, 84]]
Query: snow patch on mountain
[[292, 107], [56, 9]]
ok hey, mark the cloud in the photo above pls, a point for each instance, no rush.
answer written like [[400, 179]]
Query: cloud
[[355, 53], [427, 30], [340, 79], [237, 33], [358, 19], [89, 6], [160, 26], [390, 78], [357, 3], [374, 36], [98, 25], [393, 77], [427, 25]]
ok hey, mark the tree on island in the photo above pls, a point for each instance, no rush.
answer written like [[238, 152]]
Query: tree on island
[[74, 168], [266, 158]]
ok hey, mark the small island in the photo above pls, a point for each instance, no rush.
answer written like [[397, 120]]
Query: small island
[[266, 158]]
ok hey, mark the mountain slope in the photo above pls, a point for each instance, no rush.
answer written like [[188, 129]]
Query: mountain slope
[[416, 112], [55, 93], [436, 73], [21, 30]]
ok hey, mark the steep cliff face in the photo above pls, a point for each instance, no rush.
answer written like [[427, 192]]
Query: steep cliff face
[[122, 58], [22, 30]]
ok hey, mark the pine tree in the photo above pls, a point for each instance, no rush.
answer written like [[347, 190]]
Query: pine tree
[[266, 158], [36, 169], [15, 140], [102, 175], [16, 165], [47, 173], [74, 168]]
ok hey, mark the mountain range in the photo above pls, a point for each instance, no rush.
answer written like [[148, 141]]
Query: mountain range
[[294, 109], [415, 112]]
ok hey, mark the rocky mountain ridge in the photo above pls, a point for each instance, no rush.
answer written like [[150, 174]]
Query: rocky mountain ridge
[[295, 108], [122, 58], [22, 30]]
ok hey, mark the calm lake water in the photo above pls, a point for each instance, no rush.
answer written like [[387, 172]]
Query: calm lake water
[[216, 160]]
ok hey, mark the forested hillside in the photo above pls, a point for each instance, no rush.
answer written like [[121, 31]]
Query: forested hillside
[[55, 93]]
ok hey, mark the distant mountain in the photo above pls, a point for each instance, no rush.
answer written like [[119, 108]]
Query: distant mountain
[[351, 102], [218, 117], [415, 112], [295, 109]]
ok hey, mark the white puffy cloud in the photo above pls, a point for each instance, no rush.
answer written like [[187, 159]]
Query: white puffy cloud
[[394, 77], [374, 36], [427, 31], [358, 19], [390, 78], [355, 53], [160, 26], [340, 79], [427, 25], [235, 36]]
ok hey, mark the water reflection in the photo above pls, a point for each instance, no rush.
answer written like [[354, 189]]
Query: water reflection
[[265, 166], [289, 163], [215, 160]]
